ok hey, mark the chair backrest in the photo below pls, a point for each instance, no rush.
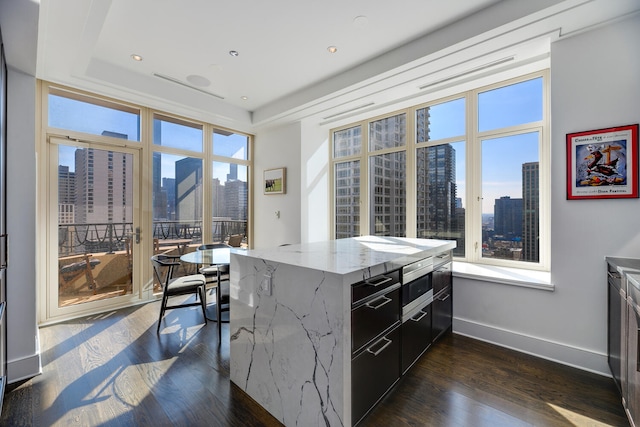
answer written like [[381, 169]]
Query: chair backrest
[[235, 240], [163, 268], [212, 246]]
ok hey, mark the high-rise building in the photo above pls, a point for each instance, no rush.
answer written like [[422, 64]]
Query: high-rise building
[[102, 187], [508, 218], [188, 194], [218, 199], [66, 185], [531, 212], [168, 195], [436, 192], [159, 199], [347, 185], [66, 195], [236, 198], [423, 120], [387, 178]]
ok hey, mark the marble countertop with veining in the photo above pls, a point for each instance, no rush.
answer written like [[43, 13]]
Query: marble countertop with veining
[[344, 256]]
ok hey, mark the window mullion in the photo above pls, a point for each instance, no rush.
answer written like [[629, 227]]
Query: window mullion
[[411, 186], [474, 188]]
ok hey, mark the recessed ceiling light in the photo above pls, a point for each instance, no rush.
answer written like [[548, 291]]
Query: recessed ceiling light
[[244, 98], [233, 53], [136, 57], [332, 49]]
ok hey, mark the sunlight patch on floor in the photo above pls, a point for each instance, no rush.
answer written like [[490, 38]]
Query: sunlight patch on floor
[[576, 419]]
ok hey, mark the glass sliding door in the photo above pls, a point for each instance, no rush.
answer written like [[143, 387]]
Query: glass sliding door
[[95, 191]]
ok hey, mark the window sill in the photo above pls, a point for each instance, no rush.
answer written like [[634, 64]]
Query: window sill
[[505, 275]]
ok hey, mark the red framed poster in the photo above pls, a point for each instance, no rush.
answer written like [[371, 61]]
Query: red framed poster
[[603, 163]]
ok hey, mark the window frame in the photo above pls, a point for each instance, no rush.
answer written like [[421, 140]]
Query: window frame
[[473, 173], [145, 147]]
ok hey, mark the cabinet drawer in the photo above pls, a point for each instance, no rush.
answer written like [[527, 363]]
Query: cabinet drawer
[[441, 277], [373, 372], [442, 307], [373, 317], [416, 335], [370, 287]]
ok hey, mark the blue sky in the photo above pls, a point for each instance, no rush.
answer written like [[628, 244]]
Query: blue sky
[[502, 158], [499, 108], [89, 118]]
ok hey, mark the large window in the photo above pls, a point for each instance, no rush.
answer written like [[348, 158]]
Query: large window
[[123, 182], [472, 168]]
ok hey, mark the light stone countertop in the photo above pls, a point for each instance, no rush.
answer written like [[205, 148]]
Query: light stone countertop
[[344, 256]]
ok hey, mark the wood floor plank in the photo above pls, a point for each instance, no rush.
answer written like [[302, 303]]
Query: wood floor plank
[[113, 369]]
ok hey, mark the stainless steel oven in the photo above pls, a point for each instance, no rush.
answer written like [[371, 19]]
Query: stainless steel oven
[[416, 284], [417, 296]]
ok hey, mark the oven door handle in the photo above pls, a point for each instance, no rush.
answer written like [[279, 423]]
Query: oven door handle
[[421, 315], [384, 300]]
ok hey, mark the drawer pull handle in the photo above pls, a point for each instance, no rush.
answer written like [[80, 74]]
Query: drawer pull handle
[[445, 298], [385, 345], [384, 300], [420, 316], [378, 282]]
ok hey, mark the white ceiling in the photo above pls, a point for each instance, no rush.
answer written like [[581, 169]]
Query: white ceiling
[[283, 66]]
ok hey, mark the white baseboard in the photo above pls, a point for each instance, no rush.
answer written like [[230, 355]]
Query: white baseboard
[[587, 360], [22, 369]]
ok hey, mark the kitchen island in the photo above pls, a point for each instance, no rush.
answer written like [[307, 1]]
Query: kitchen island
[[290, 321]]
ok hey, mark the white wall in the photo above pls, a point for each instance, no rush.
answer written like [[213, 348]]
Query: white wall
[[595, 84], [315, 182], [275, 148], [23, 359]]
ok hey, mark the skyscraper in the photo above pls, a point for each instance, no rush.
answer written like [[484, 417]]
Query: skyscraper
[[387, 177], [347, 142], [436, 192], [188, 186], [508, 217], [531, 212], [102, 187], [66, 195]]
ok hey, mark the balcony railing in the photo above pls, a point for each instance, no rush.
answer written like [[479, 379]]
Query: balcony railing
[[111, 237]]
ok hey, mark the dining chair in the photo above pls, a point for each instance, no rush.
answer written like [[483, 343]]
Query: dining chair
[[216, 275], [235, 240], [163, 267]]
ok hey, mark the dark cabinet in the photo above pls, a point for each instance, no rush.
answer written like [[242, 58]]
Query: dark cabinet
[[442, 299], [442, 313], [375, 341], [391, 330], [373, 372], [3, 223], [616, 302], [623, 331], [416, 335], [632, 396]]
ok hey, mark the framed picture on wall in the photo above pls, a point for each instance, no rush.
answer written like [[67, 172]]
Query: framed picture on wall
[[275, 181], [603, 163]]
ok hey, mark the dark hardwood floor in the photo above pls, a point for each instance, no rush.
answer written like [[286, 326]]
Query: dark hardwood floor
[[113, 370]]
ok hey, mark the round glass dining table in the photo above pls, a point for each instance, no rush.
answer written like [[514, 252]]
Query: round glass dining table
[[219, 256]]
